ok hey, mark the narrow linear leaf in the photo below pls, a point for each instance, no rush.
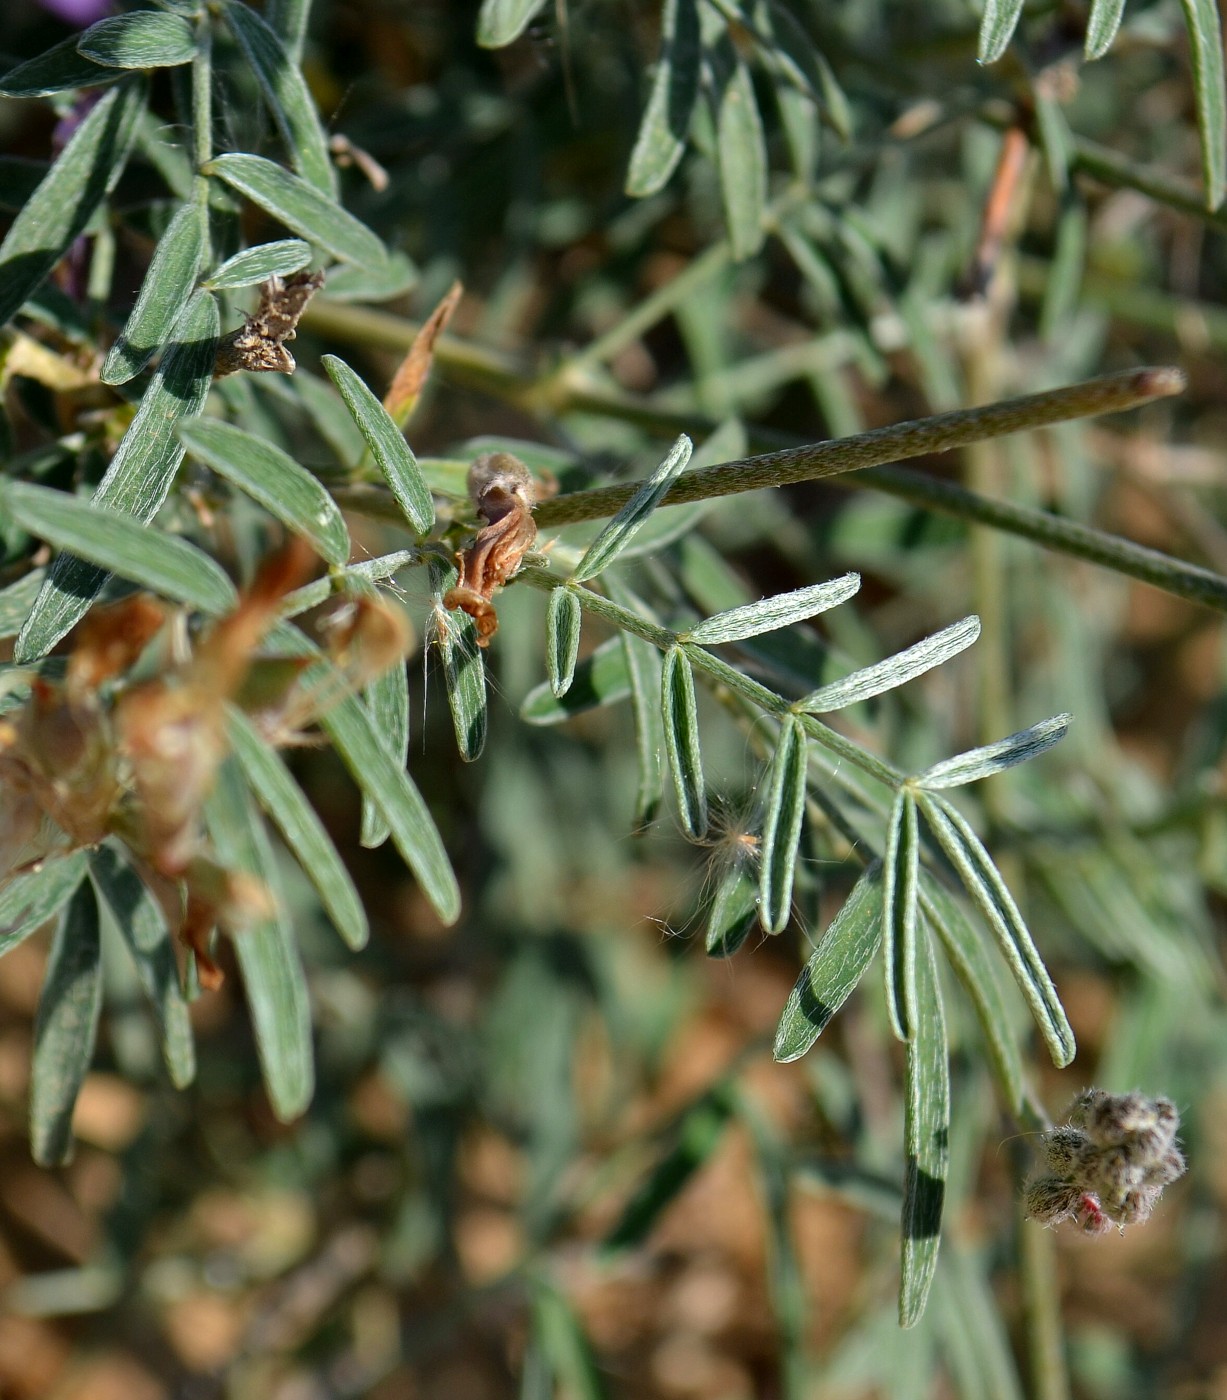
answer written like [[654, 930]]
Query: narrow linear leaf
[[143, 928], [326, 409], [562, 627], [989, 893], [268, 957], [287, 95], [258, 264], [27, 902], [303, 832], [835, 967], [387, 445], [146, 39], [271, 477], [997, 28], [80, 179], [140, 475], [734, 911], [927, 1141], [300, 207], [681, 720], [622, 528], [387, 700], [559, 1339], [782, 826], [501, 22], [603, 678], [1206, 53], [60, 69], [643, 667], [969, 956], [464, 668], [160, 562], [993, 758], [769, 614], [16, 601], [675, 88], [1101, 27], [901, 871], [65, 1028], [168, 284], [380, 775], [895, 671], [742, 157], [696, 1136], [407, 384]]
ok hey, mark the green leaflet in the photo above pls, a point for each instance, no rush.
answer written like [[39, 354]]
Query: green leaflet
[[614, 538], [997, 27], [782, 821], [271, 477], [741, 151], [258, 264], [145, 39], [387, 699], [268, 957], [143, 928], [770, 614], [387, 445], [1206, 51], [681, 721], [642, 669], [895, 671], [993, 758], [464, 668], [1101, 27], [988, 890], [926, 1140], [901, 873], [60, 69], [600, 679], [168, 284], [27, 902], [734, 911], [500, 22], [300, 207], [65, 1028], [80, 179], [380, 775], [141, 472], [160, 562], [969, 955], [675, 88], [835, 967], [303, 832], [562, 627], [287, 95]]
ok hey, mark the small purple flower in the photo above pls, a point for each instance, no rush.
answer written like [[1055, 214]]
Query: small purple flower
[[79, 12]]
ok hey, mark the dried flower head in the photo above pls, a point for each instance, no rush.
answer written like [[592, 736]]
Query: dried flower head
[[258, 346], [1108, 1164]]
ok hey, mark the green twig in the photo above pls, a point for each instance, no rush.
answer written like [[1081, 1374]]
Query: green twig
[[1107, 394]]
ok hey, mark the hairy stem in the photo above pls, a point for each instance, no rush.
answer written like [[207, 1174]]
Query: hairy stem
[[1107, 394]]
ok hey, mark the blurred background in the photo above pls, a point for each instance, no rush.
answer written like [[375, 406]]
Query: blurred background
[[549, 1152]]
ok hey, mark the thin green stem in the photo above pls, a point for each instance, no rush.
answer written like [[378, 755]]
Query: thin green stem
[[1175, 576], [720, 672], [202, 93], [1107, 394], [1042, 1301]]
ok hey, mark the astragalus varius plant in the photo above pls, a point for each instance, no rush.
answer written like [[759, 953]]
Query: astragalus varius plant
[[140, 760]]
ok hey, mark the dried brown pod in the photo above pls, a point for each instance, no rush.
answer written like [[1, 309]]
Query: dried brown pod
[[501, 488]]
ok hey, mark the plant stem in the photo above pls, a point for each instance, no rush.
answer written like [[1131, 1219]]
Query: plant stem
[[1042, 1302], [202, 94], [1107, 394]]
